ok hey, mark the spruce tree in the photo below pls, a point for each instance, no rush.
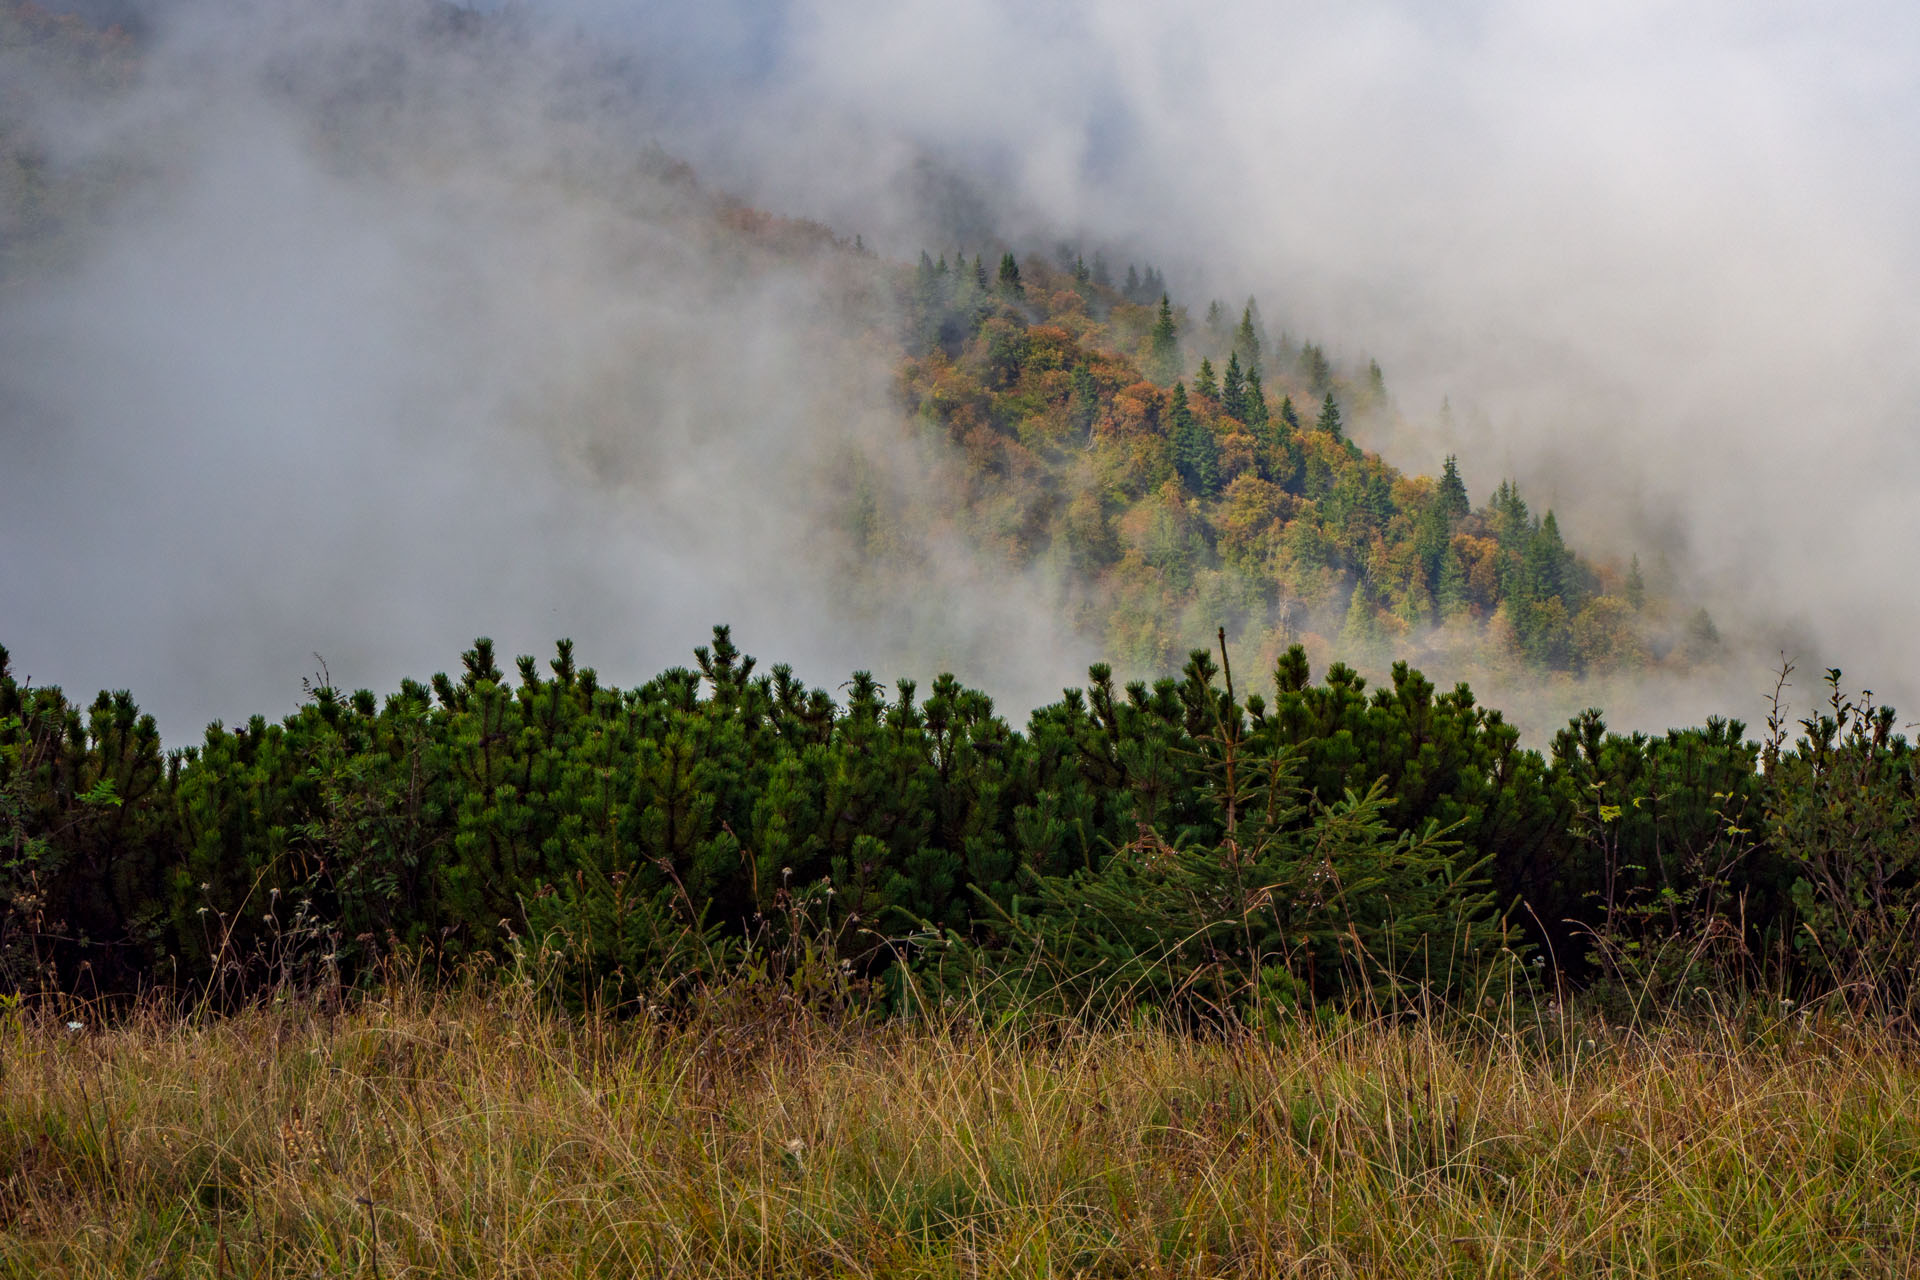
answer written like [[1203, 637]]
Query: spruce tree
[[1452, 494], [1702, 639], [1315, 368], [1204, 383], [1131, 290], [1509, 512], [1233, 390], [1196, 454], [1430, 541], [1289, 416], [1102, 277], [1415, 606], [1556, 566], [1216, 322], [1360, 632], [1255, 401], [1452, 594], [1164, 347], [926, 303], [1636, 586], [1329, 418], [1010, 276], [1247, 340], [1084, 402]]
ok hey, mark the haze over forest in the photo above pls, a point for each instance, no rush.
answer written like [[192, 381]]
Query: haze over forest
[[363, 336]]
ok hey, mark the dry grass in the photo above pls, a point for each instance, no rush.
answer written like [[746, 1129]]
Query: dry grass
[[481, 1135]]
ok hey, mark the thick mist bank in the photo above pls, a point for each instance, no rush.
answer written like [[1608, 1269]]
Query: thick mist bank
[[1654, 257], [392, 325], [386, 332]]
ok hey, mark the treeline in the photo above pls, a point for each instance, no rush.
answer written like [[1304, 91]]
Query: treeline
[[1193, 472], [1187, 841]]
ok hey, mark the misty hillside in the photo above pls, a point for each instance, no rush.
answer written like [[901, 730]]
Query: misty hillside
[[1247, 507], [453, 295], [481, 247], [1182, 475]]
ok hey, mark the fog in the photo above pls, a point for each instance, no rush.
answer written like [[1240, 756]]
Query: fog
[[387, 338], [376, 358], [1659, 257]]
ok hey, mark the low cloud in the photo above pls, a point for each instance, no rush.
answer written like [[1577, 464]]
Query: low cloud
[[389, 335], [1658, 257], [400, 340]]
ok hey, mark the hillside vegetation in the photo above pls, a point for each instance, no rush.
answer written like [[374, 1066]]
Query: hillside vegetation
[[1190, 843], [1186, 474], [1297, 965]]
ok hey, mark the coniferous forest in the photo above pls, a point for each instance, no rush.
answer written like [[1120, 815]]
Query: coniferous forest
[[1256, 952], [1197, 471], [1204, 841]]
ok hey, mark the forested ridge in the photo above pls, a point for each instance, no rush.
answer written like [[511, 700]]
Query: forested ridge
[[1205, 841], [1190, 472]]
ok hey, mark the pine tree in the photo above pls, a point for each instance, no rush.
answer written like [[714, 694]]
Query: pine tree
[[1376, 381], [1452, 494], [1131, 291], [980, 272], [1164, 349], [1081, 275], [1196, 454], [1010, 276], [1233, 390], [1102, 277], [1636, 586], [1204, 383], [1329, 418], [1289, 416]]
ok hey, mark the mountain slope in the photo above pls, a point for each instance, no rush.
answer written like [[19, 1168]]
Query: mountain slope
[[1182, 477]]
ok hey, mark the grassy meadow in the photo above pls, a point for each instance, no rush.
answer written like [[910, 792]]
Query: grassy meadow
[[485, 1134]]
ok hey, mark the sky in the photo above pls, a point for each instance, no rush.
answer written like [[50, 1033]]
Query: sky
[[1657, 258]]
